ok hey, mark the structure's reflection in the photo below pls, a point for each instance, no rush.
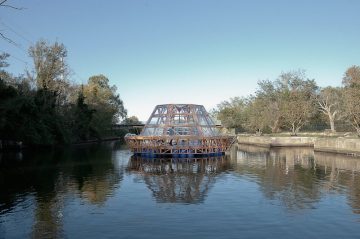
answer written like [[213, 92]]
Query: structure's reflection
[[179, 180]]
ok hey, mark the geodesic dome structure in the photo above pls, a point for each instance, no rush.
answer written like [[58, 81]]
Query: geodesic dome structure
[[179, 129]]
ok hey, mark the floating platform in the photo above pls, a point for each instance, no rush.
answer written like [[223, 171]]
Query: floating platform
[[179, 130]]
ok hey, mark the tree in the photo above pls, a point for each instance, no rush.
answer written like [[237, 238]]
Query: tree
[[232, 113], [297, 99], [132, 120], [268, 97], [3, 64], [351, 82], [352, 77], [106, 103], [51, 69], [330, 103], [257, 120], [81, 125]]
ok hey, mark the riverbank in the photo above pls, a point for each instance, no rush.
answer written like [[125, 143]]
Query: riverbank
[[341, 145]]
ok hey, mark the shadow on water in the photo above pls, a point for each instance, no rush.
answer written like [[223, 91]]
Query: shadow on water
[[178, 180], [297, 177], [48, 177]]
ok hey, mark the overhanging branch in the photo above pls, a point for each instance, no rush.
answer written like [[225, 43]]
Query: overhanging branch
[[2, 4], [7, 39]]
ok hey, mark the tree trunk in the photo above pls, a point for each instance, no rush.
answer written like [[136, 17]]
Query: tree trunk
[[332, 122], [275, 127], [293, 130]]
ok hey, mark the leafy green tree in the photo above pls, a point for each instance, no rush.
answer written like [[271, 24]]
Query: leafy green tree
[[351, 82], [45, 109], [352, 77], [4, 75], [232, 113], [82, 119], [132, 120], [257, 118], [268, 104], [298, 96], [106, 103], [51, 69]]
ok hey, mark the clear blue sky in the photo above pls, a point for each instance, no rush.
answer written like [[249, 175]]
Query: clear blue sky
[[191, 51]]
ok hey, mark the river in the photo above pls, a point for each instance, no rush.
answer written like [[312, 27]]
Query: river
[[102, 191]]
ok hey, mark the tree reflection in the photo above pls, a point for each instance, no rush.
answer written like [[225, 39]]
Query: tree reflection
[[284, 174], [298, 177], [341, 173], [179, 180], [50, 176]]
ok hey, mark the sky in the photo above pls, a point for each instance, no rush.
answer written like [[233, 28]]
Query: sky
[[188, 51]]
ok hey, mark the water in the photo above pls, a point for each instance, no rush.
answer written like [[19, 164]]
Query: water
[[101, 191]]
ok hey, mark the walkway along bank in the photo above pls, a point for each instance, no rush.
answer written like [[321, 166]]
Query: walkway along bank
[[342, 145]]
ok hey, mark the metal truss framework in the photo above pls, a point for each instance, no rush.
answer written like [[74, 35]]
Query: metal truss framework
[[179, 129]]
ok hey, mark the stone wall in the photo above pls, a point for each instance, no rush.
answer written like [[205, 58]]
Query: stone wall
[[338, 145], [266, 141], [341, 145]]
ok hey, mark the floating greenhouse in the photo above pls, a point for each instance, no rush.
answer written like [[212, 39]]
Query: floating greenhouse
[[179, 130]]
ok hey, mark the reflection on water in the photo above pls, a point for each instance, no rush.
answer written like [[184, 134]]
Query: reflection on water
[[341, 173], [52, 194], [179, 180], [284, 174], [298, 177], [46, 178]]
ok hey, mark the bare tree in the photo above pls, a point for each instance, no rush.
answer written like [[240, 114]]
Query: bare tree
[[330, 103]]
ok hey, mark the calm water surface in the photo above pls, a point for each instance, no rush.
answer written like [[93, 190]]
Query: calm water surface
[[102, 191]]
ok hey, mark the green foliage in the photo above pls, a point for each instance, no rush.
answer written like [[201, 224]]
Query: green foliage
[[232, 113], [286, 103], [53, 111], [105, 102], [133, 120], [351, 83]]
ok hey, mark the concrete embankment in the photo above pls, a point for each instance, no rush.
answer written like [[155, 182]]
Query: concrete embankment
[[266, 141], [338, 145], [322, 144]]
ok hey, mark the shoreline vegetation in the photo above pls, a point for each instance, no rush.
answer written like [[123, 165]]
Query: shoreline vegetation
[[294, 103], [44, 107]]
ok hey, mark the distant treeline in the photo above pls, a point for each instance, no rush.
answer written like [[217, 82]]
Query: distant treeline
[[42, 107], [293, 102]]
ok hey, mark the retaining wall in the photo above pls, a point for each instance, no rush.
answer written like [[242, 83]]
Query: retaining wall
[[334, 145]]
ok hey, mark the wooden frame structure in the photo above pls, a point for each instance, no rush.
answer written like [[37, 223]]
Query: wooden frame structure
[[183, 130]]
